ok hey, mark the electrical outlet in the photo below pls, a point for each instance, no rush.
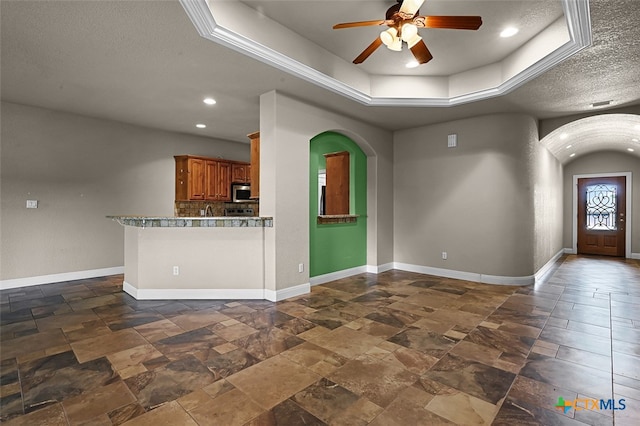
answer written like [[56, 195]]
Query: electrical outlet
[[32, 204], [444, 255], [301, 267], [176, 270]]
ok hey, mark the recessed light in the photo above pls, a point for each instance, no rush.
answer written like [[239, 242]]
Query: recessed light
[[564, 136], [209, 101], [412, 64], [508, 32], [601, 103], [630, 149], [634, 140], [568, 146], [637, 127], [572, 155], [201, 126]]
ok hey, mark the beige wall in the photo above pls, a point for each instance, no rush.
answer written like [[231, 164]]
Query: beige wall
[[81, 169], [478, 202], [547, 179], [286, 127], [603, 162], [219, 259], [499, 204]]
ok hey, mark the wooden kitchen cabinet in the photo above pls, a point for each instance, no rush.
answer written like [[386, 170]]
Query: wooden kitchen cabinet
[[241, 173], [218, 180], [255, 164], [337, 186], [200, 178]]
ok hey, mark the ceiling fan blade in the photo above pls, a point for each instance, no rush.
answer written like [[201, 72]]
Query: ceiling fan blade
[[410, 7], [421, 53], [362, 24], [450, 22], [368, 51]]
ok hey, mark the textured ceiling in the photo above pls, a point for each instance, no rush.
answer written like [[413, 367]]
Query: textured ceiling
[[144, 63]]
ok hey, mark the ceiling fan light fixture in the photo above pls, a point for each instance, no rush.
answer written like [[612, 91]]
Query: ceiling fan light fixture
[[412, 64], [387, 36], [409, 32], [396, 45]]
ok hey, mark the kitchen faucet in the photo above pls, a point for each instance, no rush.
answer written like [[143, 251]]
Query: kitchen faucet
[[208, 211]]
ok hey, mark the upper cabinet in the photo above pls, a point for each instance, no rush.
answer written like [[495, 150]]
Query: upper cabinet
[[218, 180], [255, 164], [337, 183], [241, 173], [201, 178]]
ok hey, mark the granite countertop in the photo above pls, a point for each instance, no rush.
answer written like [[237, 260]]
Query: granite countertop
[[194, 222]]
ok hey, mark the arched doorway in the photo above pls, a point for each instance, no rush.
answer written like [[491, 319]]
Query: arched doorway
[[339, 245]]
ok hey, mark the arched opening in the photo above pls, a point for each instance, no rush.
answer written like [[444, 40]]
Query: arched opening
[[342, 244], [595, 150]]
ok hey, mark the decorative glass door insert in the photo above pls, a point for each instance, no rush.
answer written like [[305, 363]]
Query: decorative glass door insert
[[601, 207]]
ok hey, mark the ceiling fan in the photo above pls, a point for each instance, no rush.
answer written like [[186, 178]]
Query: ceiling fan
[[403, 22]]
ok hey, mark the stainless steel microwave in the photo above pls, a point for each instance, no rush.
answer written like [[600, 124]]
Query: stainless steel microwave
[[241, 193]]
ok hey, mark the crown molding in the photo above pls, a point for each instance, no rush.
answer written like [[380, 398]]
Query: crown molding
[[578, 25]]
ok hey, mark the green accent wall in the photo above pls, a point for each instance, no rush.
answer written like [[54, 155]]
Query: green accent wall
[[334, 247]]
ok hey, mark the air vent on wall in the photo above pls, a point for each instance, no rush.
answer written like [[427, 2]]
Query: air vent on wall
[[452, 140]]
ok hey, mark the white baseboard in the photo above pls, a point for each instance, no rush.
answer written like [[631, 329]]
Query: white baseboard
[[332, 276], [286, 293], [219, 294], [191, 293], [380, 268], [635, 255], [547, 266], [57, 278], [569, 250], [467, 276], [345, 273]]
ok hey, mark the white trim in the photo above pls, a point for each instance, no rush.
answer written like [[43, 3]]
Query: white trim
[[574, 216], [373, 269], [130, 290], [569, 250], [191, 293], [547, 266], [286, 293], [635, 255], [57, 278], [215, 294], [345, 273], [578, 25], [467, 276], [332, 276]]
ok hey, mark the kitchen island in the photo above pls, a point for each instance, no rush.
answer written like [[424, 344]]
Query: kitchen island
[[195, 257]]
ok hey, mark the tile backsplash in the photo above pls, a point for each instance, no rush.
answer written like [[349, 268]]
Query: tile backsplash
[[195, 208]]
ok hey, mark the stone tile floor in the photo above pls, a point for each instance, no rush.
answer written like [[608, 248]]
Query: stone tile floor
[[396, 348]]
